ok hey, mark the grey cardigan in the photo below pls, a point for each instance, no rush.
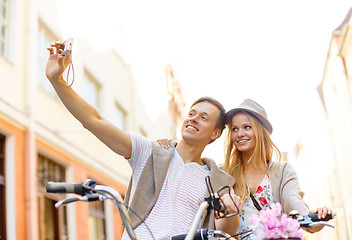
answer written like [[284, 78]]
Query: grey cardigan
[[285, 187], [152, 179]]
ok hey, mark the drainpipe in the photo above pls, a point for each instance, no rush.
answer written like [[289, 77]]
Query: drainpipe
[[29, 63]]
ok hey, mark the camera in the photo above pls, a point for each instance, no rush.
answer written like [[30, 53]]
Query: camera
[[67, 47]]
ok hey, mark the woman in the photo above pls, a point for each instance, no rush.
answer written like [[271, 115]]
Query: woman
[[249, 158]]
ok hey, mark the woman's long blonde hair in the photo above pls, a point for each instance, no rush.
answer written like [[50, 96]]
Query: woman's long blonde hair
[[260, 158]]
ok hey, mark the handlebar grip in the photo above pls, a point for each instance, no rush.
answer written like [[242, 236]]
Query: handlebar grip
[[314, 217], [197, 236], [78, 188], [60, 187]]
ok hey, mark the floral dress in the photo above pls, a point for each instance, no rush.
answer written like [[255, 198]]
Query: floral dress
[[264, 197]]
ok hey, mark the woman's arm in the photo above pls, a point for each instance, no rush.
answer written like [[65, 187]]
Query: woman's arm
[[292, 197]]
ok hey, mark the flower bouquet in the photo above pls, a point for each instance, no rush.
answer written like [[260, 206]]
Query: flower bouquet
[[271, 224]]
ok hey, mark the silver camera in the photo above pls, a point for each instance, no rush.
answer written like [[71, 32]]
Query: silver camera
[[67, 47]]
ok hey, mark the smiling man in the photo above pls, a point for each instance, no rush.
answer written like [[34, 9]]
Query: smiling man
[[167, 185]]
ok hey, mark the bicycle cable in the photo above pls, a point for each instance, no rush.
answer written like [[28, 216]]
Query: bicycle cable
[[245, 233], [217, 203], [135, 212]]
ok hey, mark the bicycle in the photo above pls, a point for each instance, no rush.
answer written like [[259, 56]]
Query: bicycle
[[89, 191]]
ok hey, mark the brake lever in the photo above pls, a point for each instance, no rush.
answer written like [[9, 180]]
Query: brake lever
[[86, 198], [311, 220], [321, 223], [67, 200]]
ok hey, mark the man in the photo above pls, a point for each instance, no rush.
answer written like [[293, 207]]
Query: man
[[167, 185]]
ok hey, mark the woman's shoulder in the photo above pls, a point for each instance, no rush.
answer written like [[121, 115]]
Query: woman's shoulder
[[280, 166]]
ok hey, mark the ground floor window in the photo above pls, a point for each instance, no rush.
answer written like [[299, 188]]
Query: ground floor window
[[52, 221], [97, 221]]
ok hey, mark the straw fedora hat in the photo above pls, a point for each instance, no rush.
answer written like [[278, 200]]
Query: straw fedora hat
[[253, 108]]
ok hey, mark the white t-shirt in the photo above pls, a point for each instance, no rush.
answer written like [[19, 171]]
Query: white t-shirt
[[182, 192]]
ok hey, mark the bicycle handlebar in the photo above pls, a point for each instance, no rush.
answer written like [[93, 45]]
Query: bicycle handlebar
[[307, 221], [89, 191]]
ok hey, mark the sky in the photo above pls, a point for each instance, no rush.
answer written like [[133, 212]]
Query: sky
[[271, 51]]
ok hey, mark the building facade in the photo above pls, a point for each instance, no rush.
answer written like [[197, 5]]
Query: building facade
[[40, 141], [336, 95]]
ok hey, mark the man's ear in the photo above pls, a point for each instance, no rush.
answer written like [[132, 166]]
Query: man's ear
[[216, 134]]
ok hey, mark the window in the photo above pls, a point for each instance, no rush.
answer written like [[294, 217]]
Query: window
[[2, 189], [120, 117], [3, 26], [96, 221], [52, 221], [44, 40], [91, 90]]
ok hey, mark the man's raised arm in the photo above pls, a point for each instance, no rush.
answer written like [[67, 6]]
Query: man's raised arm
[[113, 137]]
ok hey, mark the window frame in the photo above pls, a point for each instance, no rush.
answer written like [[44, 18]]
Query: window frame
[[60, 214], [4, 22], [88, 78], [123, 116], [97, 210]]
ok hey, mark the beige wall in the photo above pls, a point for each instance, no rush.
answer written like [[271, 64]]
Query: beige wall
[[325, 171], [336, 93], [36, 122]]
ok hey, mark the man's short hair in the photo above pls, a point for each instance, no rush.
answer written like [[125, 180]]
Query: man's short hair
[[220, 123]]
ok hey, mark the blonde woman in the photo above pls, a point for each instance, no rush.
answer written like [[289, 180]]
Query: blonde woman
[[249, 158]]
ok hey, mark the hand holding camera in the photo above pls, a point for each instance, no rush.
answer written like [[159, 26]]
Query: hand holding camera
[[59, 60]]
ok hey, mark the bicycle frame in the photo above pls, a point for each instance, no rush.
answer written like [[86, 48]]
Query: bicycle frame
[[196, 220], [122, 208], [200, 213]]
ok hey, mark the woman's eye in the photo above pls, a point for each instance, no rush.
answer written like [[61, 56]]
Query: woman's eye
[[234, 129], [248, 127], [204, 118]]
